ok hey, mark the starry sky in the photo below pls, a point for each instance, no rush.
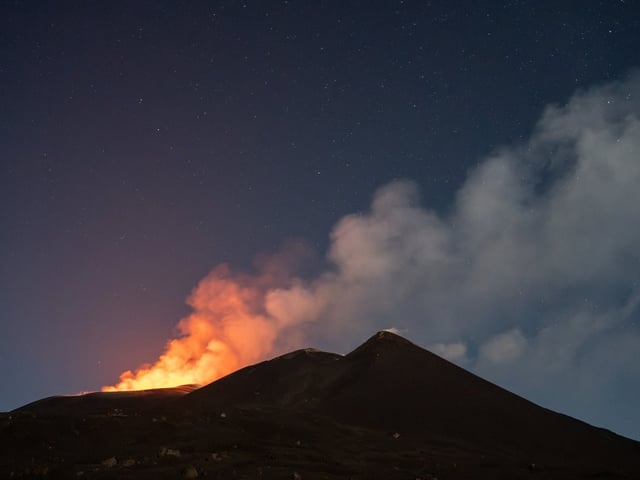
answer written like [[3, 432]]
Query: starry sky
[[144, 143]]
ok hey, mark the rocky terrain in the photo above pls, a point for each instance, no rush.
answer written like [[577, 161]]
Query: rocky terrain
[[387, 410]]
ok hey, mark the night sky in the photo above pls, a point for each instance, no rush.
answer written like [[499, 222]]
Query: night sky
[[144, 143]]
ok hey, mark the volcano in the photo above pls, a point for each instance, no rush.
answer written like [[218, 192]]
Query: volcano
[[388, 410]]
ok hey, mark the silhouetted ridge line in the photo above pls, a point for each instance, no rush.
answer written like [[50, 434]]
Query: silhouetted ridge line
[[388, 386]]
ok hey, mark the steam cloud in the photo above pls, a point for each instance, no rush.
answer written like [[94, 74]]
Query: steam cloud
[[530, 279]]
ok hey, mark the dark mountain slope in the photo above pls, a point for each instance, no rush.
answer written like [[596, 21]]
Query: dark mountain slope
[[98, 403], [393, 384], [290, 380], [390, 384]]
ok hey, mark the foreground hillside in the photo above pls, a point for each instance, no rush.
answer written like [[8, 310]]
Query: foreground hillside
[[387, 410]]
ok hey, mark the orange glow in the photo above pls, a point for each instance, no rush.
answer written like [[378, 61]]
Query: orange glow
[[226, 331]]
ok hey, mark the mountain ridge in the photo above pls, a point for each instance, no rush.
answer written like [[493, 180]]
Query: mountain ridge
[[387, 389]]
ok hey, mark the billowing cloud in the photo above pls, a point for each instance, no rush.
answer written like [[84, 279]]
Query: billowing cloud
[[535, 270], [504, 347], [539, 232], [454, 352]]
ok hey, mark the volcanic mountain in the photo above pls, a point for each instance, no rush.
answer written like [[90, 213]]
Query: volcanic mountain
[[389, 409]]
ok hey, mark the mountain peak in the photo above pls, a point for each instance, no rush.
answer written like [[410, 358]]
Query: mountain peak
[[388, 335], [383, 340]]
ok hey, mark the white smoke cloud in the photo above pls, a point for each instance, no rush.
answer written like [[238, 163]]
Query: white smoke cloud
[[454, 352], [536, 267], [504, 347]]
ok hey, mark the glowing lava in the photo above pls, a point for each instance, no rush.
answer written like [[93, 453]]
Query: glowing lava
[[226, 331]]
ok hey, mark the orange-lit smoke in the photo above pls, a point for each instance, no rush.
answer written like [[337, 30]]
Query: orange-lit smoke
[[227, 330]]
